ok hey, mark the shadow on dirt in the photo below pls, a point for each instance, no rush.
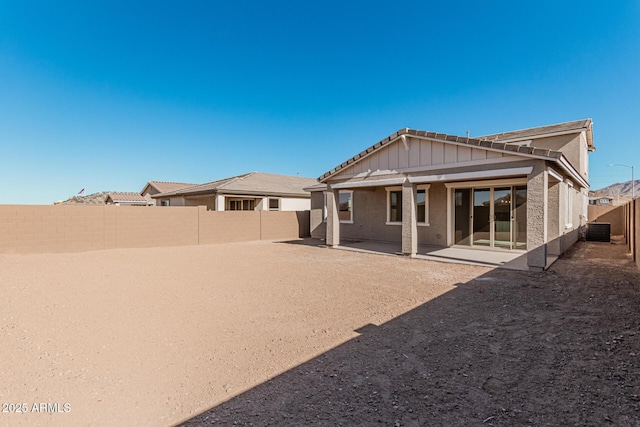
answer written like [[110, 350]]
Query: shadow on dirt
[[507, 348]]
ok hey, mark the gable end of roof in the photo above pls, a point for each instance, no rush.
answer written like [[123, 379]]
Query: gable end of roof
[[445, 138]]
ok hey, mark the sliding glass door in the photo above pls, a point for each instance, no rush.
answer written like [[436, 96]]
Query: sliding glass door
[[520, 217], [502, 217], [481, 217], [493, 217]]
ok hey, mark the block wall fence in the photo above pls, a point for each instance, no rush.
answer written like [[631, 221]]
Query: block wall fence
[[631, 215], [615, 215], [50, 229], [635, 231]]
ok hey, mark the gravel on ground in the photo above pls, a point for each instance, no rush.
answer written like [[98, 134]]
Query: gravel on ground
[[266, 333]]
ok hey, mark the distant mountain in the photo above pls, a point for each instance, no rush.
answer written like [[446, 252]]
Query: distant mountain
[[620, 189], [90, 199]]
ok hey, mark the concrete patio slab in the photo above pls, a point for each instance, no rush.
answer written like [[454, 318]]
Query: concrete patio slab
[[487, 258]]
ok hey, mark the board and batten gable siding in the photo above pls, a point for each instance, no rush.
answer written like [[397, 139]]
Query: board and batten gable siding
[[421, 154]]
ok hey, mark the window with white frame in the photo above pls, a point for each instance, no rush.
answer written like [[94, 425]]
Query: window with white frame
[[345, 206], [165, 202], [274, 204], [569, 213], [324, 208], [241, 204], [422, 205], [394, 205]]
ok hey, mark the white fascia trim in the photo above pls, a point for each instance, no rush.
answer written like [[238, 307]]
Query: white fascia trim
[[372, 183], [555, 174], [471, 175], [243, 197], [487, 183], [564, 164], [314, 189]]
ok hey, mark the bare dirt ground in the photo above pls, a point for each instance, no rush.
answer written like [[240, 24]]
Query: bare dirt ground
[[286, 334]]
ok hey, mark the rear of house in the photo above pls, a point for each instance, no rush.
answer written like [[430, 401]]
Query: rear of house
[[523, 191]]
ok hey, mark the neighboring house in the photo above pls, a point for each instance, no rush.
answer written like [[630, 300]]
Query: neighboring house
[[156, 187], [127, 199], [251, 191], [523, 191], [600, 201], [90, 199]]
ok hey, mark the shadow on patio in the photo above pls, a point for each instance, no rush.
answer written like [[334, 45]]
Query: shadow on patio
[[506, 348], [511, 260]]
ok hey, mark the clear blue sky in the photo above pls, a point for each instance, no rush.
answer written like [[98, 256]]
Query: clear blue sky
[[110, 95]]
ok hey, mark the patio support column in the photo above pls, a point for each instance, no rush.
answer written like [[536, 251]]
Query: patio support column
[[537, 214], [555, 219], [220, 202], [409, 222], [333, 219]]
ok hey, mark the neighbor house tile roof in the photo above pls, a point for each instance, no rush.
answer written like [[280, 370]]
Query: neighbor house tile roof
[[165, 186], [254, 183], [475, 142], [90, 199], [126, 198]]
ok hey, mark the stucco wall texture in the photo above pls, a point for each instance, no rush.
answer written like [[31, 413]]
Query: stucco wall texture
[[51, 229]]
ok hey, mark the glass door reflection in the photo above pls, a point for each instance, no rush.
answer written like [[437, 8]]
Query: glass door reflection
[[502, 218], [481, 217]]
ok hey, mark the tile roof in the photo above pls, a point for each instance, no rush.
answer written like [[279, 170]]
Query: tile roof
[[164, 186], [318, 186], [126, 197], [476, 142], [257, 183], [90, 199], [541, 131]]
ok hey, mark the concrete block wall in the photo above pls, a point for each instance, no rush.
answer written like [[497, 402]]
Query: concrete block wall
[[228, 226], [274, 225], [318, 226], [52, 229], [612, 214], [129, 227], [39, 229], [635, 212]]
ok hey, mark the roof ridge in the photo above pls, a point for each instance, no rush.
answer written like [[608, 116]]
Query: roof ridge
[[172, 182], [235, 178], [445, 138], [124, 193], [587, 120]]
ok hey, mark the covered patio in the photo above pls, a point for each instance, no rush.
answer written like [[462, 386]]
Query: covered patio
[[457, 255]]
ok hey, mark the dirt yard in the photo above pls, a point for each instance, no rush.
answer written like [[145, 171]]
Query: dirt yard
[[289, 334]]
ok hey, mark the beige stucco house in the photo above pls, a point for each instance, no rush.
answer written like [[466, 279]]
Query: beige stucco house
[[251, 191], [524, 191], [156, 187], [601, 201]]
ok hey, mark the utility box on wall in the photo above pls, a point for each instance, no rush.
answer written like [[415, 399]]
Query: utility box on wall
[[599, 232]]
